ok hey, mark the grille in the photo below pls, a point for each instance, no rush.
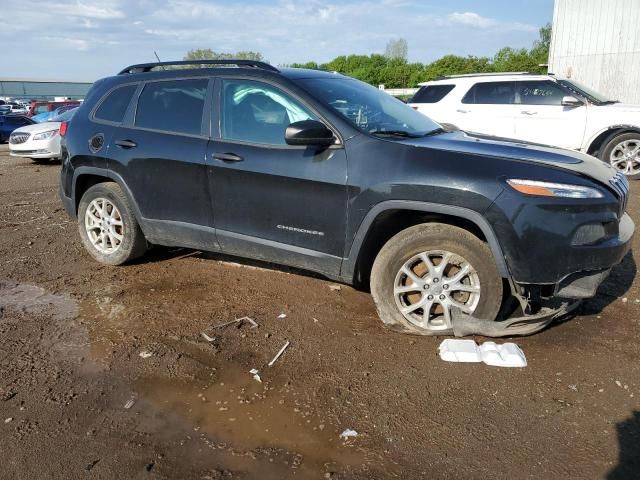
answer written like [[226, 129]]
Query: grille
[[620, 186], [16, 138]]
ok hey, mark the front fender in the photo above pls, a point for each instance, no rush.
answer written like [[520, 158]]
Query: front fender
[[349, 263]]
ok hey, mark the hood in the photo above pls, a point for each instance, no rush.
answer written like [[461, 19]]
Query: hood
[[619, 107], [38, 127], [477, 144]]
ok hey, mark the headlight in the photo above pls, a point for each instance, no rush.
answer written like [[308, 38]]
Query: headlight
[[45, 135], [549, 189]]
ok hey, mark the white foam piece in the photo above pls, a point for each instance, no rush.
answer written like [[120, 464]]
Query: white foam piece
[[505, 355], [452, 350], [467, 351]]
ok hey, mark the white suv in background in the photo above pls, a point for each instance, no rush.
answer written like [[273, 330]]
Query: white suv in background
[[540, 109]]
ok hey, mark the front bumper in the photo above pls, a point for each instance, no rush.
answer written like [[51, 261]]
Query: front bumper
[[48, 148], [40, 153]]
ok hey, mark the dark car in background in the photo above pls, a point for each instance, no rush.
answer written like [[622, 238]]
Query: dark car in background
[[8, 123], [326, 173]]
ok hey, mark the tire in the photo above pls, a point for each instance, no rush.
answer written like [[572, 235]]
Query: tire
[[123, 239], [615, 147], [434, 240]]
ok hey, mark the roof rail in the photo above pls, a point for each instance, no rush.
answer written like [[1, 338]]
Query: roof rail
[[493, 74], [147, 67]]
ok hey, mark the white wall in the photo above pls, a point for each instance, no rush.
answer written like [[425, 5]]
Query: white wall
[[597, 42]]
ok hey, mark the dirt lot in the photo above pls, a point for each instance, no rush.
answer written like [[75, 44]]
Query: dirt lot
[[72, 331]]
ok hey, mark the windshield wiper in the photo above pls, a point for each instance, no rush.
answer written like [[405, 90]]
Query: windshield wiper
[[435, 131], [394, 133]]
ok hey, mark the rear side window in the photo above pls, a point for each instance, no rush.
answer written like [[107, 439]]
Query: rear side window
[[491, 93], [431, 93], [172, 106], [42, 108], [113, 108], [539, 93]]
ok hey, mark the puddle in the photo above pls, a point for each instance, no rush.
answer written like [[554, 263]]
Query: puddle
[[71, 338], [36, 300], [250, 416], [271, 429]]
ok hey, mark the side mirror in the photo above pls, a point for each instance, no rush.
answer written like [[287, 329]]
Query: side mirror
[[309, 132], [570, 101]]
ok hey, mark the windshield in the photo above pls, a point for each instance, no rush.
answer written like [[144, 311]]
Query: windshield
[[368, 108], [42, 117], [585, 91], [65, 117]]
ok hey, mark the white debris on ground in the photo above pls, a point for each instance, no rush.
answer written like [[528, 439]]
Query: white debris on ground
[[256, 376], [335, 288], [146, 354], [207, 337], [282, 315], [8, 420], [130, 403], [348, 433], [284, 347], [505, 355], [239, 321]]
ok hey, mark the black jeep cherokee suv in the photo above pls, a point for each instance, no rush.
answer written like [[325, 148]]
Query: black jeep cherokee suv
[[325, 173]]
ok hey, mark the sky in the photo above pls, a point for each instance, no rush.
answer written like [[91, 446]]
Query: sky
[[89, 39]]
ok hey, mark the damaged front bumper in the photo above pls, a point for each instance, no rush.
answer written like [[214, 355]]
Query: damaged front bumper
[[464, 325]]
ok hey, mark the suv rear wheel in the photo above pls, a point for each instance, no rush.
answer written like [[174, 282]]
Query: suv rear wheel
[[426, 270], [623, 153], [108, 227]]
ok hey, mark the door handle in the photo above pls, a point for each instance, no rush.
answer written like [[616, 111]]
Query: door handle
[[126, 144], [459, 110], [528, 112], [227, 157]]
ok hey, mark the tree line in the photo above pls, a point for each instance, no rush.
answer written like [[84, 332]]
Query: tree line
[[393, 70]]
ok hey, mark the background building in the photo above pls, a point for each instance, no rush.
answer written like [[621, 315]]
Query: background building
[[597, 43], [30, 89]]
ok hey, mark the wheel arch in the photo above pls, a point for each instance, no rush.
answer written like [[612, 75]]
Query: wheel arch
[[86, 177], [390, 217], [601, 138]]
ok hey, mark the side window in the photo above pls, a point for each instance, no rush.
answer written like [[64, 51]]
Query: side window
[[431, 93], [539, 93], [491, 93], [173, 106], [113, 108], [258, 113], [42, 108]]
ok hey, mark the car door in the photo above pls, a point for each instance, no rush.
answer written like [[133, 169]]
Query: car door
[[488, 108], [159, 151], [272, 201], [543, 119]]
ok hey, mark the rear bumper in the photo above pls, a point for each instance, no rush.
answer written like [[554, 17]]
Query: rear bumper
[[67, 203]]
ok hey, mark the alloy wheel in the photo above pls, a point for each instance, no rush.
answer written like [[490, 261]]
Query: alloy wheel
[[431, 283], [104, 226], [625, 156]]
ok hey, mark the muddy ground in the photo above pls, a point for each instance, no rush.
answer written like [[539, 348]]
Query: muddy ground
[[72, 331]]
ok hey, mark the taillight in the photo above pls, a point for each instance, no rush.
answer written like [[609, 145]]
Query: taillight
[[63, 128]]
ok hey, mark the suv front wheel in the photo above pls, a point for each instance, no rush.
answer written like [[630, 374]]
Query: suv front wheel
[[424, 271], [108, 227]]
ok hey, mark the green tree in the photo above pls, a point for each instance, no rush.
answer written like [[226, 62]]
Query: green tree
[[208, 54], [394, 71], [397, 48]]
